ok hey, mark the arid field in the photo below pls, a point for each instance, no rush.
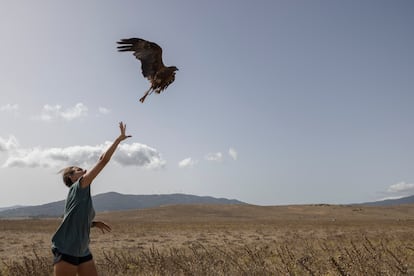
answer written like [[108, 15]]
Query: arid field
[[229, 240]]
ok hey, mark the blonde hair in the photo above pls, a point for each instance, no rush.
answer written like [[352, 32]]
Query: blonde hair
[[66, 173]]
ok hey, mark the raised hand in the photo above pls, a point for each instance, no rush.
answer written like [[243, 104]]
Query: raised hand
[[123, 136]]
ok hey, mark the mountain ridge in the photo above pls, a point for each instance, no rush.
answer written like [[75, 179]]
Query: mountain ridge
[[390, 202], [113, 201]]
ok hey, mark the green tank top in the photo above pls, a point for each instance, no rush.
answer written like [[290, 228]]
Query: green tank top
[[72, 236]]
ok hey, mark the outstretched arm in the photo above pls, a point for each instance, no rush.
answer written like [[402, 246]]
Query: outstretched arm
[[104, 159]]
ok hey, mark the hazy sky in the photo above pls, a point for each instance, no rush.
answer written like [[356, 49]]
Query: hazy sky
[[276, 102]]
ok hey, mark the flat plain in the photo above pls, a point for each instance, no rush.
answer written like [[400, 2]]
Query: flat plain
[[229, 240]]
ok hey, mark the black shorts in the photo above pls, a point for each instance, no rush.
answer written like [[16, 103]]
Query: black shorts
[[68, 258]]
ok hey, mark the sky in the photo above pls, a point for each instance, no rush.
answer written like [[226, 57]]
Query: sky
[[275, 102]]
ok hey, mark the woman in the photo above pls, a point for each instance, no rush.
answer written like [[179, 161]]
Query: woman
[[70, 243]]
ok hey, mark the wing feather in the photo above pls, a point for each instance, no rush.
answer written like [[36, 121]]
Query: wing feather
[[149, 53]]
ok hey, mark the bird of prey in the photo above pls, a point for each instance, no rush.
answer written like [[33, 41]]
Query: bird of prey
[[150, 55]]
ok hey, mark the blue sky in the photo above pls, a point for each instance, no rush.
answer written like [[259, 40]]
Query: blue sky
[[276, 102]]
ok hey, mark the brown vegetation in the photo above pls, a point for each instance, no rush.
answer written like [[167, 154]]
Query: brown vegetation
[[229, 240]]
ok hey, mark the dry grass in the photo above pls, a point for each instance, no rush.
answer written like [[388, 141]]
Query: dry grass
[[230, 240]]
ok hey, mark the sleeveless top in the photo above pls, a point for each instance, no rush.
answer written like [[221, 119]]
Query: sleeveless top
[[72, 236]]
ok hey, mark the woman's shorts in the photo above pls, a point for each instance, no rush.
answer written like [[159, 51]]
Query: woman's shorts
[[68, 258]]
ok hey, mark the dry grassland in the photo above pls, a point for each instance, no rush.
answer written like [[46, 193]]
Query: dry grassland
[[229, 240]]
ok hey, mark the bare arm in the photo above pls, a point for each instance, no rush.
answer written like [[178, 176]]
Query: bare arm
[[104, 159]]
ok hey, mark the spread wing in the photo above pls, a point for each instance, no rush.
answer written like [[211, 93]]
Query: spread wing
[[149, 53]]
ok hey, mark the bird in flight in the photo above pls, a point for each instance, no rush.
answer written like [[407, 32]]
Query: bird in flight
[[150, 55]]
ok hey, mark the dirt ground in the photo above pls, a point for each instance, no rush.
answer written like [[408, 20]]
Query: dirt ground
[[303, 228]]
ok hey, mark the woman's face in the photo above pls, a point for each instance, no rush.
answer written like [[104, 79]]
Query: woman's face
[[76, 174]]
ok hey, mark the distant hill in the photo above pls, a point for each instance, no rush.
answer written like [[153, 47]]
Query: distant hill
[[116, 202], [11, 207], [390, 202]]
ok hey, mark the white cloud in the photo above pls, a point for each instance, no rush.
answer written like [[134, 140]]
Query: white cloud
[[139, 155], [233, 153], [85, 156], [187, 163], [104, 110], [9, 107], [8, 144], [217, 157], [401, 188], [397, 190], [50, 113]]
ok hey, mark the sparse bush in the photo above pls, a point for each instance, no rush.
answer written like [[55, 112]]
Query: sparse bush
[[33, 265], [359, 256]]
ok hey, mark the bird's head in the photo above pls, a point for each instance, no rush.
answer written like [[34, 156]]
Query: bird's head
[[174, 68]]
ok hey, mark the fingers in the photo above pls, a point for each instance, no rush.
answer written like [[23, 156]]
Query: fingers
[[103, 226], [122, 126], [105, 229]]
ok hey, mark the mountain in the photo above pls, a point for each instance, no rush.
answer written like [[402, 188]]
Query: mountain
[[390, 202], [10, 207], [116, 202]]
